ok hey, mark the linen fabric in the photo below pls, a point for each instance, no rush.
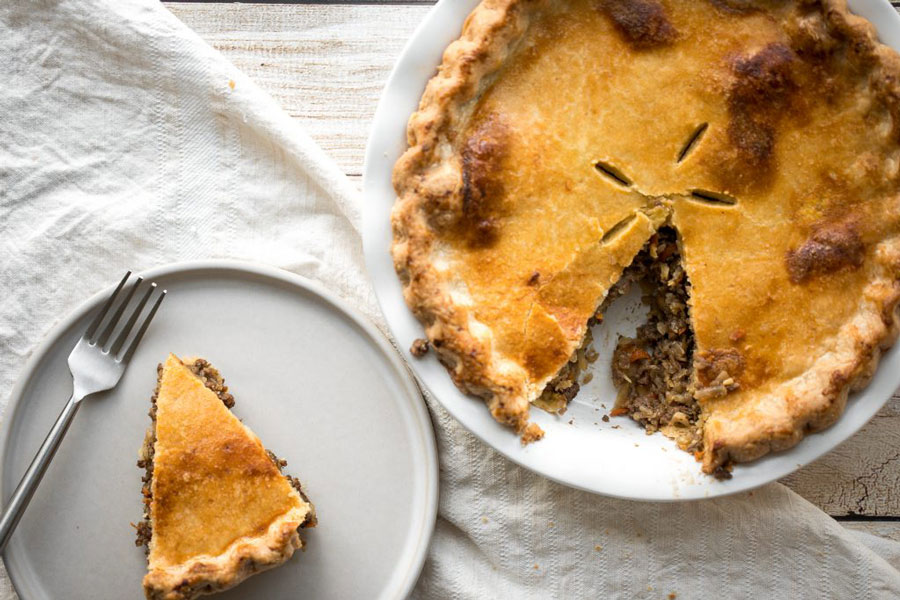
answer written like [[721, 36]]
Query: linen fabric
[[127, 142]]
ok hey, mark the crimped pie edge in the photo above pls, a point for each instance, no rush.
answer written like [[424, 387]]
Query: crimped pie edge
[[427, 174], [244, 557]]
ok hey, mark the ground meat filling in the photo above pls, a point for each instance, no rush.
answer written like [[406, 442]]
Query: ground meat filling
[[310, 520], [565, 386], [559, 392], [144, 530], [211, 378], [653, 370]]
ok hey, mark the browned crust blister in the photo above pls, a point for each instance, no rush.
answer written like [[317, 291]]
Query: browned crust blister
[[642, 22], [432, 193]]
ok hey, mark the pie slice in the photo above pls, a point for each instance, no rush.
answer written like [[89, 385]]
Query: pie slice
[[564, 144], [218, 508]]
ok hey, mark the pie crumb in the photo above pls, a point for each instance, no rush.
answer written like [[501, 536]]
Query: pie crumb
[[419, 348], [532, 433]]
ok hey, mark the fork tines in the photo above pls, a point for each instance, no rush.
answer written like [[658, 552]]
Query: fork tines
[[102, 339]]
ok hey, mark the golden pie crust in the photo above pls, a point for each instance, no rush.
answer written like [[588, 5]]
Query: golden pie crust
[[220, 510], [558, 136]]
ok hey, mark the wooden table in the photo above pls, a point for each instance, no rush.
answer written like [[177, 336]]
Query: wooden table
[[326, 64]]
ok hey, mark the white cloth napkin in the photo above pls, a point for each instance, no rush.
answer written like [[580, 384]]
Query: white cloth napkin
[[127, 142]]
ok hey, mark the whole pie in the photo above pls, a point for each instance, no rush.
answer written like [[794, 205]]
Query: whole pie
[[218, 508], [738, 158]]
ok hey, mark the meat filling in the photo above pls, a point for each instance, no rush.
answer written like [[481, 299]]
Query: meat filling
[[653, 370], [559, 392]]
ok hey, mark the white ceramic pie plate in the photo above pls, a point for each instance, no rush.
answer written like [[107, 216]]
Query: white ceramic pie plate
[[580, 450], [321, 388]]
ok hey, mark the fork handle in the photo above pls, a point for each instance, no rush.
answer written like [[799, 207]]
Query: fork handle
[[15, 508]]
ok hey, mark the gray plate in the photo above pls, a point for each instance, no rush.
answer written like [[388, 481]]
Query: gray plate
[[319, 386]]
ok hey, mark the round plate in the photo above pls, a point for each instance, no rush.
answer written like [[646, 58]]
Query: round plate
[[319, 386], [580, 449]]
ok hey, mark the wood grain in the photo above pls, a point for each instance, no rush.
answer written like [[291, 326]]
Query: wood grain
[[327, 64], [885, 529], [861, 476]]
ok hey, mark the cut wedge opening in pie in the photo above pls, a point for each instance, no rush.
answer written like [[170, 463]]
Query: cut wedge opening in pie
[[217, 506], [742, 159]]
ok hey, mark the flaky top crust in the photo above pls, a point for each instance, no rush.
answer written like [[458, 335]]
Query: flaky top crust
[[221, 509], [793, 381]]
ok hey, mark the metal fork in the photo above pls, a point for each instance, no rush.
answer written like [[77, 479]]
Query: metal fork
[[96, 366]]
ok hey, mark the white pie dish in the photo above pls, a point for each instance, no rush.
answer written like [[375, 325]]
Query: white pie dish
[[614, 458]]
